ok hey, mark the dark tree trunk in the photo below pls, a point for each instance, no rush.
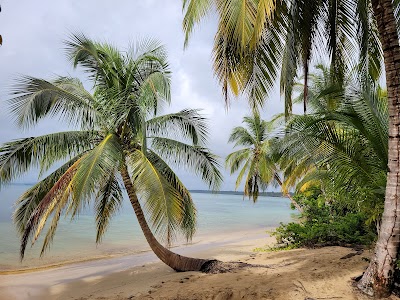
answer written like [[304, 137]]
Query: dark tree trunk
[[378, 279], [305, 91], [175, 261]]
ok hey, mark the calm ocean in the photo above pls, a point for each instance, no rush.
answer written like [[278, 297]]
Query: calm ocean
[[75, 241]]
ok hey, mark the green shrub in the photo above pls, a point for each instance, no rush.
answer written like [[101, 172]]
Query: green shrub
[[323, 223]]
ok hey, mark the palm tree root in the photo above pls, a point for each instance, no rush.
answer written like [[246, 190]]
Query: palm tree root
[[216, 266]]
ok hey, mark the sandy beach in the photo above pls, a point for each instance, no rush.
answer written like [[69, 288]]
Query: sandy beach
[[295, 274]]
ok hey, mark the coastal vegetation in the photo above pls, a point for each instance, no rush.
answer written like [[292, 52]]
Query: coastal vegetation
[[122, 142], [325, 224], [257, 40], [337, 152]]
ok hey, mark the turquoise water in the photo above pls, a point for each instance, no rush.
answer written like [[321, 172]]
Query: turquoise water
[[74, 241]]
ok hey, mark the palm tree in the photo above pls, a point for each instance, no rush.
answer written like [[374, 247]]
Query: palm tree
[[121, 142], [342, 143], [256, 38], [255, 160]]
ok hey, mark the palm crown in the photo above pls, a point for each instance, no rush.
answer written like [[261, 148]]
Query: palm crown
[[120, 134], [257, 161], [254, 161]]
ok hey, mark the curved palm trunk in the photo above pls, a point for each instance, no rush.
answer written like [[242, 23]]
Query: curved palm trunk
[[175, 261], [295, 204], [378, 278]]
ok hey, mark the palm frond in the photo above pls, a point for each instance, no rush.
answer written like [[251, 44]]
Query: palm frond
[[30, 199], [341, 32], [20, 156], [163, 204], [196, 158], [289, 67], [235, 159], [108, 201], [100, 61], [36, 98], [94, 167], [194, 11], [187, 123], [242, 137], [371, 55], [55, 199], [189, 219]]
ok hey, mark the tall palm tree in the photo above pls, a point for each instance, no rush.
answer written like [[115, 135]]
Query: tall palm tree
[[121, 143], [255, 160], [256, 38]]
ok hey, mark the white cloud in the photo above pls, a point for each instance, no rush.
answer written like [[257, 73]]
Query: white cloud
[[33, 32]]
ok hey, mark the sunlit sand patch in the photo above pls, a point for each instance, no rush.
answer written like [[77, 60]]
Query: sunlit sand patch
[[57, 289], [92, 278]]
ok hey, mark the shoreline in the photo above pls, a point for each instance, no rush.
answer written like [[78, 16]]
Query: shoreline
[[53, 280], [297, 274], [200, 241]]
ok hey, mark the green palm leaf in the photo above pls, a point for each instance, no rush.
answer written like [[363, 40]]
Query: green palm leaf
[[65, 97], [187, 123], [189, 222], [162, 202], [20, 156], [96, 165], [108, 201], [196, 158]]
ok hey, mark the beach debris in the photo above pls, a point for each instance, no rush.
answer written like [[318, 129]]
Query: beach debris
[[302, 287]]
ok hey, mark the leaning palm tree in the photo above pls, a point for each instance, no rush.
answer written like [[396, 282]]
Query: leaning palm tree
[[255, 160], [257, 38], [122, 143]]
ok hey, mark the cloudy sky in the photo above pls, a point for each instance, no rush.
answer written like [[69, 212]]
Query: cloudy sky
[[33, 32]]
